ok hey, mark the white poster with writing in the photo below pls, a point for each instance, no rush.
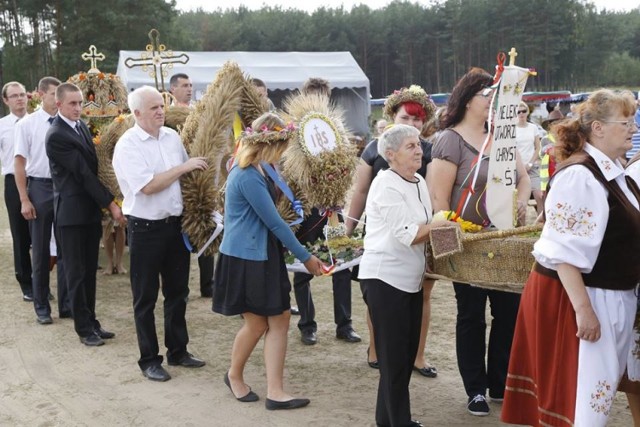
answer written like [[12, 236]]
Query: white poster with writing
[[501, 178]]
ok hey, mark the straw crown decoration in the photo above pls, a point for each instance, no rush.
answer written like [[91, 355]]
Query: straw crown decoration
[[413, 93]]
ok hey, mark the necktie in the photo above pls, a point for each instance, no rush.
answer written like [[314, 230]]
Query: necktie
[[50, 120]]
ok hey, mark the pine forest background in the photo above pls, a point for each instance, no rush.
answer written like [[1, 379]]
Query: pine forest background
[[571, 44]]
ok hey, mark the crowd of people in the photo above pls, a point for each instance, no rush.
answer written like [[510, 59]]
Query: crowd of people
[[554, 356]]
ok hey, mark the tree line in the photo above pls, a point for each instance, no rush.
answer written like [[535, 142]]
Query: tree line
[[570, 44]]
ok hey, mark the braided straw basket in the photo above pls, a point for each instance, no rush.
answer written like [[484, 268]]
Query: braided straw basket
[[499, 260]]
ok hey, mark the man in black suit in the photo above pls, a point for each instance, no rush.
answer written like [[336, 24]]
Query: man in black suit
[[78, 198]]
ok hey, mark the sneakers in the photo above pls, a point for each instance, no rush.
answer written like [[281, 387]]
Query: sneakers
[[478, 406]]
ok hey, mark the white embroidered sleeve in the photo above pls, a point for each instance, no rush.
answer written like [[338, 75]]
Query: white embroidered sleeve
[[576, 212]]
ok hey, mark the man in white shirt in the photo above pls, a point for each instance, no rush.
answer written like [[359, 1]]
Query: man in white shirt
[[14, 96], [33, 180], [181, 88], [148, 161]]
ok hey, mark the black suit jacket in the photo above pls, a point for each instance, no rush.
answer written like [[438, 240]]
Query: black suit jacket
[[78, 195]]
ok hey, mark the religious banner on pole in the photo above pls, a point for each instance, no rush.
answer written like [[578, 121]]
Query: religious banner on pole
[[501, 195]]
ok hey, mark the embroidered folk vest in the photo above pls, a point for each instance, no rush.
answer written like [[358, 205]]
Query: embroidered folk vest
[[618, 264]]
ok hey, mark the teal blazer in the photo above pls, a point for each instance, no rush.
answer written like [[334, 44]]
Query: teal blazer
[[249, 213]]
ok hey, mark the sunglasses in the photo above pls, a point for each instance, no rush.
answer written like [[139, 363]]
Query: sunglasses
[[522, 111]]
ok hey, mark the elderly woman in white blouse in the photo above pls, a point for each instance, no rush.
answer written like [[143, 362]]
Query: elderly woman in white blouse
[[398, 215]]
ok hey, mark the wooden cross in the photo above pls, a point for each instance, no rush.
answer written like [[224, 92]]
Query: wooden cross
[[156, 60], [512, 56], [94, 57]]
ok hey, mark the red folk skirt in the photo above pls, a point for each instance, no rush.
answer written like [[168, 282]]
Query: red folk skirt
[[543, 367]]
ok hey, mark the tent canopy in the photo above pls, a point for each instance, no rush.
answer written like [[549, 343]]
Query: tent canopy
[[282, 72]]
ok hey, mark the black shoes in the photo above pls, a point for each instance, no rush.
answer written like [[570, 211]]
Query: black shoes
[[188, 361], [27, 297], [427, 371], [92, 340], [308, 337], [294, 310], [105, 335], [372, 363], [249, 397], [156, 373], [273, 405], [44, 319], [348, 335], [478, 406]]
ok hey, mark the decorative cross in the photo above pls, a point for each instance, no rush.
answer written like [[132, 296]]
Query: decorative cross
[[94, 57], [512, 56], [156, 60]]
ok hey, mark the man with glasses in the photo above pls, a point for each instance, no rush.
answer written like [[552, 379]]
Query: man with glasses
[[15, 98]]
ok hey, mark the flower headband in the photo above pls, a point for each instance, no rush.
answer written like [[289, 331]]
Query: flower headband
[[264, 135], [413, 93]]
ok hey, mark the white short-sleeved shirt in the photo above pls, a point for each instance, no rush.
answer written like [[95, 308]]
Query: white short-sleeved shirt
[[7, 138], [139, 156], [30, 143], [525, 141], [577, 212], [395, 209]]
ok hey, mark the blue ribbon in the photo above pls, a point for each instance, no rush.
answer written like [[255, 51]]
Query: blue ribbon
[[296, 205], [187, 243]]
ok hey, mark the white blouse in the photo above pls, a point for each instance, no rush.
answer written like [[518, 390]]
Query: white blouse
[[634, 172], [577, 213], [395, 209]]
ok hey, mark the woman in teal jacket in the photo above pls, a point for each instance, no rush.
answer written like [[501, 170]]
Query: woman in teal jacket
[[251, 277]]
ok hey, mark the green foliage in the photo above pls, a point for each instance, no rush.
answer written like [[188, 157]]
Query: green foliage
[[569, 43]]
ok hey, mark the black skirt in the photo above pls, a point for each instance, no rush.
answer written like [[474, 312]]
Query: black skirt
[[258, 287]]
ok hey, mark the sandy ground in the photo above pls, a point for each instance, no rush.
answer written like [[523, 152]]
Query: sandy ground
[[47, 378]]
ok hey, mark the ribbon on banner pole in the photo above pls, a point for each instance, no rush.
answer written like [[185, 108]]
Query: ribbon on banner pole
[[296, 205]]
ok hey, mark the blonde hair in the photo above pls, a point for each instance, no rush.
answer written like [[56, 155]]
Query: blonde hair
[[525, 106], [254, 153]]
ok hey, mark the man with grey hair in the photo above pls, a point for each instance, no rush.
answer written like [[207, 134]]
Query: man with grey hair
[[148, 161], [14, 96]]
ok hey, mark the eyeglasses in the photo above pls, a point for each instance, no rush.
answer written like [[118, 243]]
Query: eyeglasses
[[629, 123], [522, 111], [486, 93], [17, 95]]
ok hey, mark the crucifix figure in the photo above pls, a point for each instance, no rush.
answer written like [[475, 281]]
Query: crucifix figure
[[512, 56], [156, 60], [94, 57]]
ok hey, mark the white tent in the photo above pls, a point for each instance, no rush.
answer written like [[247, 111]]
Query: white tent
[[282, 72]]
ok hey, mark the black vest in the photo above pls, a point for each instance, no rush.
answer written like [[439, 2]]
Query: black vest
[[618, 264]]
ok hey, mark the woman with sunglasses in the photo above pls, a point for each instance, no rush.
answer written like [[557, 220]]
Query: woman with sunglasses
[[455, 158], [528, 145]]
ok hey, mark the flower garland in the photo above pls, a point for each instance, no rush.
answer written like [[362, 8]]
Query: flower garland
[[413, 93], [264, 135]]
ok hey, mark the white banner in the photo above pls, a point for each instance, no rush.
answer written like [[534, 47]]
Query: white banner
[[501, 178]]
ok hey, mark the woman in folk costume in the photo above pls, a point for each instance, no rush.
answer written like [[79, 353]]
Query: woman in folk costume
[[575, 323], [630, 383], [251, 278]]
